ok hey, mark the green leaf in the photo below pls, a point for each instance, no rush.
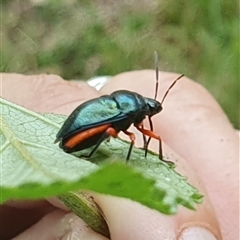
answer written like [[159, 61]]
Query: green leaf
[[28, 155], [33, 167]]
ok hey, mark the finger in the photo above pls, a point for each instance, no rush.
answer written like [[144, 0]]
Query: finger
[[59, 225], [41, 93], [193, 124], [45, 93], [27, 204], [18, 215], [129, 220], [139, 222]]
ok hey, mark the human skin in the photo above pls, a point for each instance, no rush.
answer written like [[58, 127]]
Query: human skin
[[197, 136]]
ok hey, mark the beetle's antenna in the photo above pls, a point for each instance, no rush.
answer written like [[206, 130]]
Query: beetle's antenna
[[146, 142], [174, 82], [156, 88], [157, 73]]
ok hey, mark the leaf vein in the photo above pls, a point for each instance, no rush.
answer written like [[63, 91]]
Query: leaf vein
[[19, 146]]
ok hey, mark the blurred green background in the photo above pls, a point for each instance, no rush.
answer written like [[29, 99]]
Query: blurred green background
[[82, 39]]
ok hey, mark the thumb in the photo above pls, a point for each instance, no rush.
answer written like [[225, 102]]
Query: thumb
[[45, 93], [130, 220]]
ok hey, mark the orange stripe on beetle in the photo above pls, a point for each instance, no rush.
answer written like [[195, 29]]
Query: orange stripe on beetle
[[80, 137]]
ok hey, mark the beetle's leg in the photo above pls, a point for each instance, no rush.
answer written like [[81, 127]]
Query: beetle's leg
[[132, 138], [145, 141], [149, 139], [96, 146], [109, 132], [144, 137], [112, 132], [157, 137]]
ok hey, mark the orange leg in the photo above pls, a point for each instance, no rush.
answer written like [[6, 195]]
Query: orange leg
[[144, 137], [112, 132], [151, 134], [132, 138], [109, 132]]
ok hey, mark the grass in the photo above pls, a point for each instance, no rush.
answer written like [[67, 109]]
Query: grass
[[82, 39]]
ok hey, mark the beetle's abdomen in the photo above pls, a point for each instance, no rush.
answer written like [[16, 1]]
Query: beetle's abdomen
[[84, 139]]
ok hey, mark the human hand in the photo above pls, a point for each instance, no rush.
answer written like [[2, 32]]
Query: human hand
[[191, 123]]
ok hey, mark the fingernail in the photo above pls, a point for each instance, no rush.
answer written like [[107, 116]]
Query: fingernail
[[197, 233]]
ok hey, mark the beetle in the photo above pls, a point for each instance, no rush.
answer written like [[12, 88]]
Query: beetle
[[97, 119]]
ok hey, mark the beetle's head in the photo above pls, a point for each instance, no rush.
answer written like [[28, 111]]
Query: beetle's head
[[154, 106]]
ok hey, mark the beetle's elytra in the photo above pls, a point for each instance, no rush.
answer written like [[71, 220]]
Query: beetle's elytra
[[97, 119]]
